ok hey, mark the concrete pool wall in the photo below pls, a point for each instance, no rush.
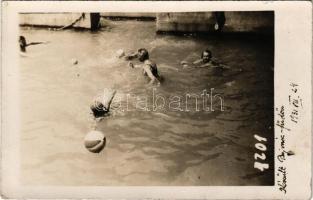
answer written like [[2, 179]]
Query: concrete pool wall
[[54, 19], [205, 22], [259, 22]]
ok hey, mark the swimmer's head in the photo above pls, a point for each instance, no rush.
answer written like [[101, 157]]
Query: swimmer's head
[[23, 43], [143, 54], [206, 56]]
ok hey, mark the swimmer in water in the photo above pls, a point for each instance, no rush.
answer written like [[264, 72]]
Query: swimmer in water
[[102, 102], [23, 43], [206, 58], [206, 61], [149, 67]]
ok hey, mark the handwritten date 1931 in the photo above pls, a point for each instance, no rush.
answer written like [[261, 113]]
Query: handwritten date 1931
[[260, 156]]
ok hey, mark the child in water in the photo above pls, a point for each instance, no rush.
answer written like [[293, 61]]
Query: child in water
[[149, 67]]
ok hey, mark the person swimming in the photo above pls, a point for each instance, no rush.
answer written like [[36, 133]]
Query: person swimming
[[206, 60], [102, 102], [23, 43], [149, 67]]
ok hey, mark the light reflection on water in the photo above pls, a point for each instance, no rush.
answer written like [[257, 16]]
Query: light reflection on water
[[143, 148]]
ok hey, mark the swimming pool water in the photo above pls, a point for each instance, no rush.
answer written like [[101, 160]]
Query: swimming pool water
[[162, 147]]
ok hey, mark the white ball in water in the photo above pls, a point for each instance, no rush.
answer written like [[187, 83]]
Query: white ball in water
[[95, 141], [120, 53]]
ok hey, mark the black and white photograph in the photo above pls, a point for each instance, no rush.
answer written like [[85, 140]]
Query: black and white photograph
[[141, 98], [147, 98]]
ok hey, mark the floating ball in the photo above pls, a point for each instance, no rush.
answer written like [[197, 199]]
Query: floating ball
[[95, 141]]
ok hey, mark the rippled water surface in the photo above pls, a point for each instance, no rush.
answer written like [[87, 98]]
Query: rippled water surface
[[163, 147]]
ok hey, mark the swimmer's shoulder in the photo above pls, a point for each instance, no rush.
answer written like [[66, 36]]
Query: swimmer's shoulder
[[198, 62], [147, 62], [150, 63]]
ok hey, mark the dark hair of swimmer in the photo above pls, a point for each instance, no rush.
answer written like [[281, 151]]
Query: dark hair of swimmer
[[23, 43], [98, 110], [143, 54], [206, 56]]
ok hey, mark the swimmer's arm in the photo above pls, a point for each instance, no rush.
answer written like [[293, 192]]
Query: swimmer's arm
[[130, 64], [205, 65], [131, 56], [224, 66], [217, 64], [35, 43], [137, 66], [150, 75], [197, 62]]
